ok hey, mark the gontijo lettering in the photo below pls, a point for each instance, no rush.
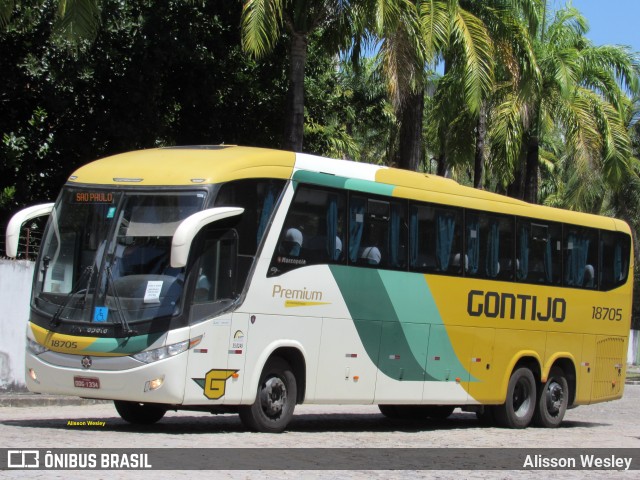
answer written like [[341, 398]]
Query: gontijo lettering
[[516, 306], [293, 294]]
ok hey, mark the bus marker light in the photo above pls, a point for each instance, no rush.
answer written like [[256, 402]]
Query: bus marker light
[[394, 357], [585, 364], [154, 384], [235, 375], [200, 350], [436, 358], [457, 379], [356, 378], [351, 355], [32, 374], [476, 360]]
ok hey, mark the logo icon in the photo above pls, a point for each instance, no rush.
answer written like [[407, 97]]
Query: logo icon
[[86, 362], [23, 459]]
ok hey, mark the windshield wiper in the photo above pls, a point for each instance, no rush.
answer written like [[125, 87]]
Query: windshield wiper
[[123, 320], [56, 318]]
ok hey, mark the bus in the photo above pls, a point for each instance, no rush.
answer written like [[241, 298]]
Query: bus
[[229, 279]]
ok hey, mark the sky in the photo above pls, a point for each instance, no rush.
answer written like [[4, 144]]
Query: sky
[[611, 22]]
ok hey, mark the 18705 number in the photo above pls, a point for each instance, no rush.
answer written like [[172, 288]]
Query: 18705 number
[[606, 313]]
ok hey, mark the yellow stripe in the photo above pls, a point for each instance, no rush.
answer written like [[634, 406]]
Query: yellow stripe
[[298, 303], [61, 343], [166, 166]]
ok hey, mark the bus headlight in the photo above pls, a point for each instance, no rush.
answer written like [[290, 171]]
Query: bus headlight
[[167, 351], [35, 347]]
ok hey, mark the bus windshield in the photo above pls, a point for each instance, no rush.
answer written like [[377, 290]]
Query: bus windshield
[[105, 256]]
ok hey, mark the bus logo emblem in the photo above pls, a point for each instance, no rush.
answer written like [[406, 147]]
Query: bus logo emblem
[[86, 362]]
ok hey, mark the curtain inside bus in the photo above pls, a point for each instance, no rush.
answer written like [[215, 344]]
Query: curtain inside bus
[[356, 226], [444, 239]]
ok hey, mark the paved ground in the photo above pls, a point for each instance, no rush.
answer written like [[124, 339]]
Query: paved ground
[[610, 425]]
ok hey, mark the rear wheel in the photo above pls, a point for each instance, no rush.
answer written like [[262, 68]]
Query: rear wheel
[[553, 400], [140, 413], [520, 403], [275, 399]]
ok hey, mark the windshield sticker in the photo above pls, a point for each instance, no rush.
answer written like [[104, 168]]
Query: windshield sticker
[[111, 212], [100, 314], [152, 293]]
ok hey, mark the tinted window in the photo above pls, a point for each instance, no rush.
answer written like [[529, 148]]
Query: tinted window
[[615, 253], [313, 231], [489, 246], [538, 252], [377, 232], [580, 257], [435, 235]]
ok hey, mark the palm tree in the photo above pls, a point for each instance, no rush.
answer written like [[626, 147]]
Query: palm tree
[[415, 37], [262, 22], [460, 133], [76, 20], [576, 92]]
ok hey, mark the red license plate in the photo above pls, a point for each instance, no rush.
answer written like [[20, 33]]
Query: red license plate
[[86, 382]]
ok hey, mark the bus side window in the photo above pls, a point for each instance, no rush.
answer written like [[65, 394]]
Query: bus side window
[[538, 252], [614, 255], [378, 233], [313, 230], [581, 257], [489, 246], [435, 239]]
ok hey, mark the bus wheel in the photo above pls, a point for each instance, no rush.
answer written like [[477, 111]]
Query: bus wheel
[[520, 404], [552, 400], [275, 400], [140, 413]]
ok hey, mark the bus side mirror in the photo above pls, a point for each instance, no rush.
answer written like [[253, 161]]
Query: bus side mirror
[[189, 228], [16, 222]]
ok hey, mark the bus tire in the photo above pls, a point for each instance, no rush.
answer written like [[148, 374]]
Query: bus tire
[[520, 404], [140, 413], [553, 400], [275, 399]]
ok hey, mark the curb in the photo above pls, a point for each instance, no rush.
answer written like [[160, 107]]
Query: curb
[[35, 400]]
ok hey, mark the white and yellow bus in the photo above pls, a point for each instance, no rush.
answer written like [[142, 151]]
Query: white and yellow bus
[[231, 279]]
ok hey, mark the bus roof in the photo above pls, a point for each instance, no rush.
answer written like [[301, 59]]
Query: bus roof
[[175, 166]]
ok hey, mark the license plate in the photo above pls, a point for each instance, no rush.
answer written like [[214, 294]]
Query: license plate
[[86, 382]]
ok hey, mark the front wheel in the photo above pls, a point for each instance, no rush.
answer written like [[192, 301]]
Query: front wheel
[[275, 399], [520, 403], [140, 413], [553, 400]]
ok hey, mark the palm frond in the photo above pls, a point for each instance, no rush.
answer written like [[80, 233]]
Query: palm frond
[[472, 37], [78, 19], [6, 10], [261, 24]]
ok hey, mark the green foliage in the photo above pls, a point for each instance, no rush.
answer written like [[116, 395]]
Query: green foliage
[[156, 73]]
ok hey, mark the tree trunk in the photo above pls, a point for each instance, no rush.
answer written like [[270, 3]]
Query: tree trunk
[[410, 148], [294, 115], [531, 170], [516, 187], [481, 134], [441, 167]]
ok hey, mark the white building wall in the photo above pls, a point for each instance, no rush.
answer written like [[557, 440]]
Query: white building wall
[[15, 291]]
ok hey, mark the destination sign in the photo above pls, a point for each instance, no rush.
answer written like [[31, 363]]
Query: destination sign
[[93, 197]]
